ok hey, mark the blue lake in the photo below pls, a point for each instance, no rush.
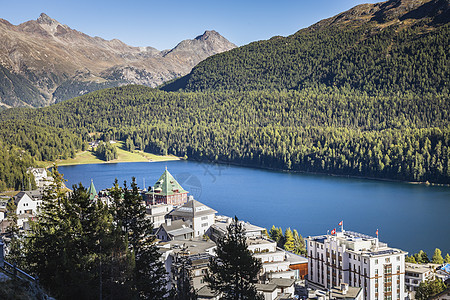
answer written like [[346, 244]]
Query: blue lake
[[408, 216]]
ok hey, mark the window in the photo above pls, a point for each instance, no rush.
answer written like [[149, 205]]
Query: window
[[204, 224], [398, 258], [204, 218], [376, 261], [376, 272], [398, 269], [388, 259]]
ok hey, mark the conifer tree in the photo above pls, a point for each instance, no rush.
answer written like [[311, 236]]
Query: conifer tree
[[13, 233], [149, 278], [299, 244], [437, 257], [233, 273], [428, 288], [447, 258], [289, 240], [421, 257], [181, 268], [274, 233]]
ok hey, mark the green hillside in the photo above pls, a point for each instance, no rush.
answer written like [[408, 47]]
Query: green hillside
[[331, 131], [376, 49], [365, 93]]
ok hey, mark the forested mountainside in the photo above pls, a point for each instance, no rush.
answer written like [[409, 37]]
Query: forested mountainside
[[43, 61], [383, 48], [365, 93], [330, 131]]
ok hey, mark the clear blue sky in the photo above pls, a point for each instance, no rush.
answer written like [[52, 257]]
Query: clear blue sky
[[162, 24]]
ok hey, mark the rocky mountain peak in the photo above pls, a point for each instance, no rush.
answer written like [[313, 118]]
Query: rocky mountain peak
[[44, 19], [208, 34]]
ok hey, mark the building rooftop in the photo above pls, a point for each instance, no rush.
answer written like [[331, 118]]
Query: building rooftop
[[350, 293], [358, 243], [282, 282], [91, 191], [192, 209], [166, 186], [295, 258], [192, 247], [222, 223], [268, 287], [177, 228]]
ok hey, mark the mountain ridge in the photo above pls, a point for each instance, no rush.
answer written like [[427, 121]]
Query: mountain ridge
[[47, 55], [397, 45]]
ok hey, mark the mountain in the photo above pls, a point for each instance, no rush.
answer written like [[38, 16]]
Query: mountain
[[43, 61], [388, 47]]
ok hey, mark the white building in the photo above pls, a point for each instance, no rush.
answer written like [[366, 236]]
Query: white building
[[417, 273], [157, 213], [40, 177], [359, 260], [27, 204], [199, 216], [219, 228]]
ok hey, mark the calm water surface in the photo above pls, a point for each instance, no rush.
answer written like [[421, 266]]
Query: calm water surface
[[410, 217]]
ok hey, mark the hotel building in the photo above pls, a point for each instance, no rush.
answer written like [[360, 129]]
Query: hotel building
[[358, 260]]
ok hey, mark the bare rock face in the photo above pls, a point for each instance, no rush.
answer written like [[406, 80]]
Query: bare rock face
[[43, 61]]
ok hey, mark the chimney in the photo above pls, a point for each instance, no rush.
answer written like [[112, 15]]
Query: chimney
[[168, 222], [344, 288]]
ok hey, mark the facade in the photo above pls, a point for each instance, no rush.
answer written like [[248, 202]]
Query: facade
[[40, 177], [415, 274], [358, 260], [27, 204], [167, 191], [194, 255], [199, 216], [174, 231], [277, 289], [157, 213]]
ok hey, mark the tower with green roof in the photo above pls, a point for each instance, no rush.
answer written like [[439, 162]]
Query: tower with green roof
[[167, 190], [91, 191]]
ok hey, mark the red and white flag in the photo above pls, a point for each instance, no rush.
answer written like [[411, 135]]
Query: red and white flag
[[340, 223], [333, 231]]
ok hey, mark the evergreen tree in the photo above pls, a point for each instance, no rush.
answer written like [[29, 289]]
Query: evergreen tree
[[289, 240], [67, 241], [181, 269], [274, 233], [421, 257], [299, 244], [234, 271], [149, 278], [428, 288], [13, 233], [410, 259], [447, 258], [437, 257]]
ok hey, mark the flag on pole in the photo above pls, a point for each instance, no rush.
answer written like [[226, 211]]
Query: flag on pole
[[340, 223], [376, 232], [333, 231]]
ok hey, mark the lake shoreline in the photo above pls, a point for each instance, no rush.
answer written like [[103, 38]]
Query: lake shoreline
[[175, 158]]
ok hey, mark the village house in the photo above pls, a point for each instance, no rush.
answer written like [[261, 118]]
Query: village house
[[27, 206], [199, 216], [176, 230]]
